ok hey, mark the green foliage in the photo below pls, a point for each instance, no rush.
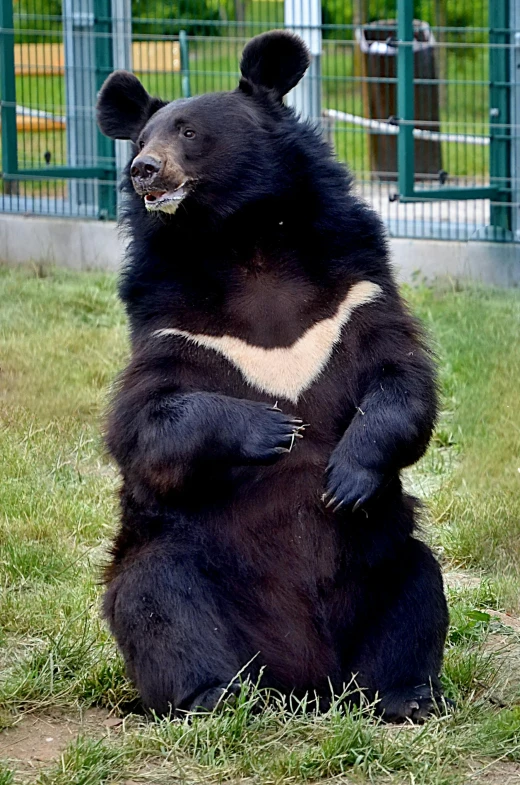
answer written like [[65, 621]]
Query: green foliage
[[203, 17], [6, 775], [150, 17], [453, 13], [44, 15], [339, 15], [155, 17], [87, 762]]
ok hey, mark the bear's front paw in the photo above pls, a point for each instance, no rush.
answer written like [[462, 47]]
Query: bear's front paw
[[270, 434], [348, 485]]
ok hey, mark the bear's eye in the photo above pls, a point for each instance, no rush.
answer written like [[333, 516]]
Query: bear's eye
[[141, 144], [189, 134]]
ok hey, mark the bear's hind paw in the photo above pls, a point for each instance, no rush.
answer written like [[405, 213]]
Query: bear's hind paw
[[414, 704], [215, 698]]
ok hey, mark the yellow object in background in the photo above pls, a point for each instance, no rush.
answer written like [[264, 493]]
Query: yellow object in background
[[49, 59]]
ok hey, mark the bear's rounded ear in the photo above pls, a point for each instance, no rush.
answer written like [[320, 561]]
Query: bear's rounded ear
[[274, 61], [124, 107]]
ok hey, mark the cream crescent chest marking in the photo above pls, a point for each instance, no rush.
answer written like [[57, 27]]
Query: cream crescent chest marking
[[289, 370]]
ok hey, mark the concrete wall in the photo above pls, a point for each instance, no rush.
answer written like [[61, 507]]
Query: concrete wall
[[80, 245], [87, 245], [427, 260]]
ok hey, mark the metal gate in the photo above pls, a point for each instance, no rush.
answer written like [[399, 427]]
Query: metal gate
[[54, 161], [423, 109]]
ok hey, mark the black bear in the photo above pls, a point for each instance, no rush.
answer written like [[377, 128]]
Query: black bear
[[277, 386]]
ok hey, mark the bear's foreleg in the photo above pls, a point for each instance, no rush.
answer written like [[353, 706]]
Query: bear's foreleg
[[390, 430], [161, 440]]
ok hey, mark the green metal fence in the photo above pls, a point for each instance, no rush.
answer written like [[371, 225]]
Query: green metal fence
[[423, 109]]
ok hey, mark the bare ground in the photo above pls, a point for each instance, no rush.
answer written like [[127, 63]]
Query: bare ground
[[35, 741], [38, 740]]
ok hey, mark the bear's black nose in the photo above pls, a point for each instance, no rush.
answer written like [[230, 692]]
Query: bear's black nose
[[145, 167]]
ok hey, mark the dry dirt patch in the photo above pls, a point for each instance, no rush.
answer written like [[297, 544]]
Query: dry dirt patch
[[37, 740], [460, 579], [499, 773]]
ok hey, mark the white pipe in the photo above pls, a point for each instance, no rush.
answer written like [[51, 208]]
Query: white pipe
[[383, 126], [24, 111], [392, 129]]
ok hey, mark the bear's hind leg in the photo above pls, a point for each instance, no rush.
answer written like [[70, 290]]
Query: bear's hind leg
[[213, 698], [401, 656], [177, 648]]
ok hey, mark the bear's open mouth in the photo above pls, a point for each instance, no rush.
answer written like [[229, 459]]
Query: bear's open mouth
[[165, 201]]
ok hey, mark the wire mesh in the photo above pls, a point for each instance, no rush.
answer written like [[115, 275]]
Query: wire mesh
[[63, 50]]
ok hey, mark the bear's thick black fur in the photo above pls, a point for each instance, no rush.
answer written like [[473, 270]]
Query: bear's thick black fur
[[262, 310]]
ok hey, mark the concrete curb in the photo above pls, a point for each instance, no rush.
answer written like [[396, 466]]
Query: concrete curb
[[95, 245], [79, 245]]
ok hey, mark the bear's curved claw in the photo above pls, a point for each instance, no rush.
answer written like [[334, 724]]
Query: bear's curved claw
[[349, 485], [270, 434]]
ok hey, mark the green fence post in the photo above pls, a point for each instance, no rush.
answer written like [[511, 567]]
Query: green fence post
[[500, 112], [185, 64], [405, 98], [103, 67], [8, 89]]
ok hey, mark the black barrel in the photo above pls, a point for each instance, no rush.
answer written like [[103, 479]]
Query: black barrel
[[378, 44]]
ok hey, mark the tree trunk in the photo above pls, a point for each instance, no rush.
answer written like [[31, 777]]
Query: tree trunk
[[240, 11], [441, 21], [359, 17]]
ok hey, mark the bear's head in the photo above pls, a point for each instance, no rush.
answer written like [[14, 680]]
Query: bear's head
[[220, 149]]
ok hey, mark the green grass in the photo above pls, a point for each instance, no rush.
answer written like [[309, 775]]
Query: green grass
[[478, 511], [6, 775], [62, 340]]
